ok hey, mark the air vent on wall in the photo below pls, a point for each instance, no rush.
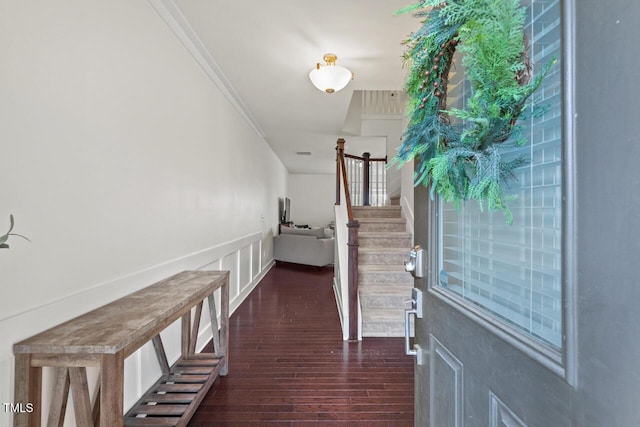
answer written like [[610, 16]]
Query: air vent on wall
[[303, 153]]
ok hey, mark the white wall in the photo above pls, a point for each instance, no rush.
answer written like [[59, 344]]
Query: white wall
[[123, 163], [313, 197], [407, 187]]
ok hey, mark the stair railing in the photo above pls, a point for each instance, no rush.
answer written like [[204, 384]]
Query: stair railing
[[367, 177], [346, 258]]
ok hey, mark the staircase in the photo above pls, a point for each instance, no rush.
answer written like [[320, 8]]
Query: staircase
[[383, 285]]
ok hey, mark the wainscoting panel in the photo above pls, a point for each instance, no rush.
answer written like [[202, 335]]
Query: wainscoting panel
[[244, 261], [502, 415], [230, 262], [445, 387], [255, 259]]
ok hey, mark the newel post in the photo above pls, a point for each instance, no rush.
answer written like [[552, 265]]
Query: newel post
[[353, 244], [339, 155], [366, 180]]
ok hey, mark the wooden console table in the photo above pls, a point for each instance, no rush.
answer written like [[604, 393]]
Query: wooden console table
[[106, 336]]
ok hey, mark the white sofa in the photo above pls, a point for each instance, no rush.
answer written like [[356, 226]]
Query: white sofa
[[309, 246]]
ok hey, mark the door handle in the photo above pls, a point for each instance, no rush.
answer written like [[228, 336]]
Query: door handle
[[415, 310], [407, 325], [416, 350]]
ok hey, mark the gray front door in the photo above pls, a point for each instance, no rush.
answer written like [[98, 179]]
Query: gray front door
[[536, 323]]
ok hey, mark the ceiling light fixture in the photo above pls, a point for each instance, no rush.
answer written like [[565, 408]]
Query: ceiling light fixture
[[330, 78]]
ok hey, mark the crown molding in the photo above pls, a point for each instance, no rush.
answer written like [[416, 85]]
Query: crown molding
[[175, 19]]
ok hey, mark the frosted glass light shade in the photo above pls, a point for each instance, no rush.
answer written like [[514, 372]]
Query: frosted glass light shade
[[330, 78]]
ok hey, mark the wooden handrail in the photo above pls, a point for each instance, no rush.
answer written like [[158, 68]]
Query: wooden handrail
[[341, 172], [347, 194], [378, 159], [372, 159]]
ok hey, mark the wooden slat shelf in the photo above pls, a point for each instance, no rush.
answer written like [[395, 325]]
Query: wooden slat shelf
[[179, 388], [176, 395], [105, 336], [179, 378], [198, 362], [169, 398], [194, 370]]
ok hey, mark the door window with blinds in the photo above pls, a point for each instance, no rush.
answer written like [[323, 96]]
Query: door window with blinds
[[514, 272]]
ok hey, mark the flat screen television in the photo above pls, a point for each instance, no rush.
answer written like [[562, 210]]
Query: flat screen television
[[284, 210], [287, 210]]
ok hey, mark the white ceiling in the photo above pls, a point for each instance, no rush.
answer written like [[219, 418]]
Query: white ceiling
[[265, 49]]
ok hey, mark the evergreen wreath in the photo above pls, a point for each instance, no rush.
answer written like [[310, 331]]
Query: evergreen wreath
[[462, 158]]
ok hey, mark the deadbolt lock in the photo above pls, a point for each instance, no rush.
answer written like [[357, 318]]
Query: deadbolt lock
[[416, 263]]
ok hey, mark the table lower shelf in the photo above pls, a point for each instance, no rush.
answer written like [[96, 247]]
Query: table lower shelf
[[174, 398]]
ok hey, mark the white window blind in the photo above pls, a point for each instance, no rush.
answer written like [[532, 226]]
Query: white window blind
[[514, 272]]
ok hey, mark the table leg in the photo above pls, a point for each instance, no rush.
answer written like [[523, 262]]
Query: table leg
[[224, 326], [59, 398], [186, 334], [27, 392], [195, 329], [214, 324], [111, 390], [80, 393]]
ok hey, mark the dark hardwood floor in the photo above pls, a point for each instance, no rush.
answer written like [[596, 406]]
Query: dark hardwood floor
[[288, 365]]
